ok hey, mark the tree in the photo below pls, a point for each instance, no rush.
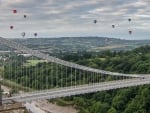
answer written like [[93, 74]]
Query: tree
[[112, 110]]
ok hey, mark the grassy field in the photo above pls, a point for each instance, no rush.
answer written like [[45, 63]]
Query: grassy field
[[33, 62], [110, 47]]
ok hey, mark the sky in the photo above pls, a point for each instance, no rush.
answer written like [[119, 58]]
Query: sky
[[74, 18]]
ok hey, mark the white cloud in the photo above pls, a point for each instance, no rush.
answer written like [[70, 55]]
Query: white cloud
[[74, 17]]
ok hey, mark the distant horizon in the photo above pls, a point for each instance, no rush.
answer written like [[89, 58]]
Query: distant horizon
[[75, 37]]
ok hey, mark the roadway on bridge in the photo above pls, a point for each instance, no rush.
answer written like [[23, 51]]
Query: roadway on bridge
[[83, 89]]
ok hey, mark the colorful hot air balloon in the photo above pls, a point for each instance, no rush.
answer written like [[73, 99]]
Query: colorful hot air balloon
[[11, 27], [129, 19], [23, 34], [95, 21], [14, 11], [130, 32], [35, 34], [25, 16], [113, 26]]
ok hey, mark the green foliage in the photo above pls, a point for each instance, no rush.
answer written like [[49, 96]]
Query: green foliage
[[79, 101], [25, 111], [99, 107], [130, 100], [62, 102], [112, 110]]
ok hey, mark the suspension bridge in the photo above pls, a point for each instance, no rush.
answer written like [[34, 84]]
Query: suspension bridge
[[52, 77]]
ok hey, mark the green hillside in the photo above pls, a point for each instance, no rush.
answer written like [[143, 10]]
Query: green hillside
[[74, 44]]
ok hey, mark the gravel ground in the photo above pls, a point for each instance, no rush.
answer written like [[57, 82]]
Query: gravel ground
[[53, 108]]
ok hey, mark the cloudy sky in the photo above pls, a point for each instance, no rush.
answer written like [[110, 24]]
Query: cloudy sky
[[59, 18]]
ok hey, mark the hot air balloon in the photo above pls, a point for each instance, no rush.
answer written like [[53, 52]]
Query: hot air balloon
[[11, 27], [95, 21], [113, 26], [25, 16], [35, 34], [14, 11], [129, 19], [23, 34], [130, 32]]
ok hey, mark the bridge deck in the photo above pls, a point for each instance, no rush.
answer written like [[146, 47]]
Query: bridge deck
[[69, 91]]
